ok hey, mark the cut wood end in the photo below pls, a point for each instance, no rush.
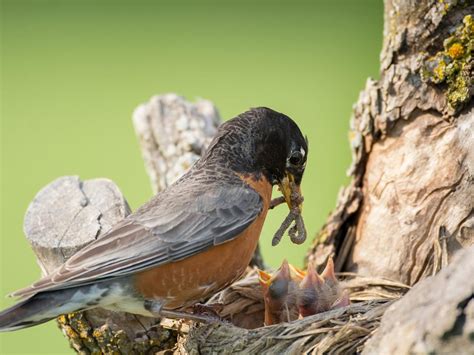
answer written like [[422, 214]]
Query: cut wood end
[[68, 214]]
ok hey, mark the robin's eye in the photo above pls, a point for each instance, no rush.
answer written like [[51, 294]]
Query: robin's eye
[[296, 158]]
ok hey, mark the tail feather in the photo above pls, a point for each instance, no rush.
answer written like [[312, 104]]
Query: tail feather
[[45, 306], [26, 313]]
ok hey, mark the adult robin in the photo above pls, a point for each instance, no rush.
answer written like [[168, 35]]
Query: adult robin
[[190, 241]]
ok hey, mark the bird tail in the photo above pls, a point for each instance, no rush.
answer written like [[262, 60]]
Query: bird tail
[[21, 315], [43, 307]]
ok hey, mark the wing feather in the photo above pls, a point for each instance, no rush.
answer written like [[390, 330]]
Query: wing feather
[[176, 228]]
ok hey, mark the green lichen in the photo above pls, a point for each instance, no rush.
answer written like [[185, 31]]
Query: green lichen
[[453, 65], [446, 6], [104, 340]]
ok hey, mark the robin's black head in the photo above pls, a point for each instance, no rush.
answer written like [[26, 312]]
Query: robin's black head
[[280, 148], [262, 141]]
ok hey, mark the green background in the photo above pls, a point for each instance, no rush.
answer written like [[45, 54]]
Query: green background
[[73, 71]]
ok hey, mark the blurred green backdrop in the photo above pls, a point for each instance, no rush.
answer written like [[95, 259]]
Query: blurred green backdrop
[[73, 71]]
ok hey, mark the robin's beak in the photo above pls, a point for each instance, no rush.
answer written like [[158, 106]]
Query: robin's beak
[[291, 190]]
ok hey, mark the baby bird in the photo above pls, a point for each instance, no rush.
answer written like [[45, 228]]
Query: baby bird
[[320, 293], [291, 293], [280, 293]]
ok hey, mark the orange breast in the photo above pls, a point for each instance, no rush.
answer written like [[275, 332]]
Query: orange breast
[[188, 281]]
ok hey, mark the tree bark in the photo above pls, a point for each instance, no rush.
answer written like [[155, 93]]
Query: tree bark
[[173, 133], [436, 316], [410, 204]]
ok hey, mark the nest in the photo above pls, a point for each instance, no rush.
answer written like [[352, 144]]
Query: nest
[[343, 330]]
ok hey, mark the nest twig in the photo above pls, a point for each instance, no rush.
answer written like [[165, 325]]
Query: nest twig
[[343, 330], [243, 302], [340, 331]]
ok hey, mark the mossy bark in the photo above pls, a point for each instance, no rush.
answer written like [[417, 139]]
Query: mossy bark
[[410, 203]]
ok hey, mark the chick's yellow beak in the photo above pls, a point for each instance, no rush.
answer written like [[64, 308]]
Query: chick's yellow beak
[[264, 278]]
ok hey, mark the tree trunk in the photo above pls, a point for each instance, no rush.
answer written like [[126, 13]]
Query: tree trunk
[[435, 317], [410, 204], [408, 208]]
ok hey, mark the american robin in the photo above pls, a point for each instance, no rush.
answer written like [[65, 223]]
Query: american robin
[[279, 293], [191, 240], [320, 293]]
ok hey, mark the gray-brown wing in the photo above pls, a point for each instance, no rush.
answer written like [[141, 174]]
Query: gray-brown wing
[[168, 231]]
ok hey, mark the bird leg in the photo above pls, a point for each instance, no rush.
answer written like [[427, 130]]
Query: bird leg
[[212, 309], [157, 310]]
